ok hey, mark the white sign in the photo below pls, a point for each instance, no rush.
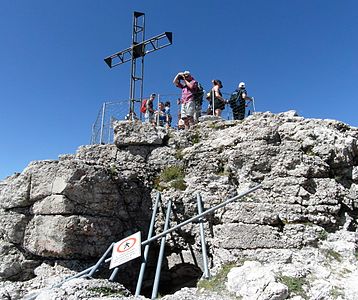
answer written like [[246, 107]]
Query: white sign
[[125, 250]]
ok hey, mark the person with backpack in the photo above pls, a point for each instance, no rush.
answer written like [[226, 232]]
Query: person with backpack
[[215, 97], [198, 101], [188, 86], [147, 107], [237, 102]]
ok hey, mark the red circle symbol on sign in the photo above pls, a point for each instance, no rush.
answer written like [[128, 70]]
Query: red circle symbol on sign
[[126, 245]]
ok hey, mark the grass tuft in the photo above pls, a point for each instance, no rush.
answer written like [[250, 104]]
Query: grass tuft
[[179, 154], [295, 285], [217, 282], [322, 235], [195, 138], [172, 176], [336, 292], [332, 255]]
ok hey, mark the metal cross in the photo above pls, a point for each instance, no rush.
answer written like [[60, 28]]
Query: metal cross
[[139, 48]]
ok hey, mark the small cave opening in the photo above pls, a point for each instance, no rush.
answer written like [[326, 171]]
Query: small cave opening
[[172, 278], [174, 275]]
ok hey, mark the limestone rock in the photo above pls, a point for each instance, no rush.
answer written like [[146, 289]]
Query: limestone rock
[[301, 224], [70, 236], [128, 133], [193, 294], [254, 281], [85, 289], [14, 265]]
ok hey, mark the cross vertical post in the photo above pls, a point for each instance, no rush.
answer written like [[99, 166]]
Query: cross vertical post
[[138, 34]]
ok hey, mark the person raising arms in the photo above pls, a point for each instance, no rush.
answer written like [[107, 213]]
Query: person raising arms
[[188, 86]]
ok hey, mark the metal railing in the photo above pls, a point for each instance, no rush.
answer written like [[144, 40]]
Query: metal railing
[[102, 131], [89, 272]]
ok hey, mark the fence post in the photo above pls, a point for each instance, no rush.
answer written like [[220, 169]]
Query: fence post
[[157, 116], [102, 123], [202, 238], [146, 248], [111, 119], [253, 103], [93, 138], [212, 101], [161, 252]]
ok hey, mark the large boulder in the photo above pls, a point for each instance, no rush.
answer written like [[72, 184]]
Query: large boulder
[[254, 281], [136, 133]]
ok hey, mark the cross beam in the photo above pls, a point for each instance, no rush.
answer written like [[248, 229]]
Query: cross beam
[[138, 49]]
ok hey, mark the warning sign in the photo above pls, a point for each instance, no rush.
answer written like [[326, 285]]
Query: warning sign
[[126, 250]]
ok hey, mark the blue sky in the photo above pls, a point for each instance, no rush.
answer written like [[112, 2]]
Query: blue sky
[[292, 54]]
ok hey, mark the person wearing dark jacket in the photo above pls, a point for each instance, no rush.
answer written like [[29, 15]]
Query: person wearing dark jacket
[[237, 101]]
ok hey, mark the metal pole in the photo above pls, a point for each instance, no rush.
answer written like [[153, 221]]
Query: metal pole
[[202, 238], [213, 100], [161, 253], [253, 103], [114, 274], [102, 122], [210, 210], [133, 65], [152, 239], [93, 134], [158, 112], [100, 261], [142, 65], [146, 248], [109, 130], [132, 86]]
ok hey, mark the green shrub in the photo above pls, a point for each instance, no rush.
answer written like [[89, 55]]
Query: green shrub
[[112, 171], [172, 173], [178, 184], [195, 138], [157, 184], [309, 151], [173, 176], [322, 235], [215, 126], [222, 170], [333, 255], [217, 282], [179, 154], [294, 284], [336, 292]]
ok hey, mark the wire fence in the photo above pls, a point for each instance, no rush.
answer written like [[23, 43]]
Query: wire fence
[[110, 111]]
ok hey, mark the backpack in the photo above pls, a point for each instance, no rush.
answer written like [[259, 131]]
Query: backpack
[[235, 96], [198, 95], [143, 106]]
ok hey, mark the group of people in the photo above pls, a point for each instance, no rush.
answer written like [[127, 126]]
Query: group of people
[[161, 116], [191, 102], [190, 108]]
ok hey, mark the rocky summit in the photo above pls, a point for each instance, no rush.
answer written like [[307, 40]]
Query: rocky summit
[[293, 238]]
